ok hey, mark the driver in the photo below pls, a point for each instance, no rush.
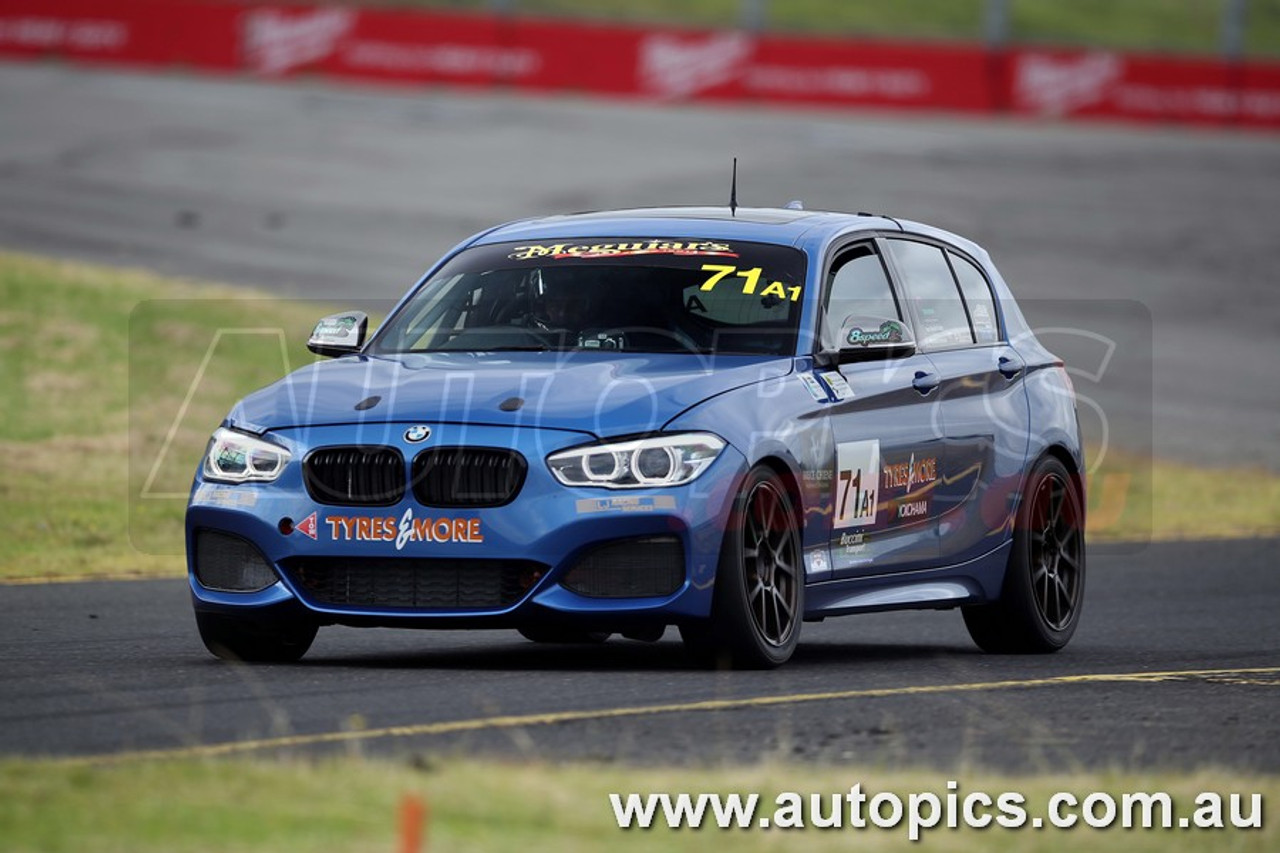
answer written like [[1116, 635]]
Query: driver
[[557, 305]]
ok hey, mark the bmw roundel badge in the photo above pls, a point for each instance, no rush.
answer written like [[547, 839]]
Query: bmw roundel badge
[[414, 434]]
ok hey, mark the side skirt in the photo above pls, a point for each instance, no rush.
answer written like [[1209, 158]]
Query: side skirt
[[973, 582]]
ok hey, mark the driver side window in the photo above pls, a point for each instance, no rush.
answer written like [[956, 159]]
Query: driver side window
[[857, 284]]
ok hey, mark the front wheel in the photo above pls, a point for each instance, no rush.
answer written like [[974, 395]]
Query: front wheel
[[1039, 604], [758, 601], [255, 642]]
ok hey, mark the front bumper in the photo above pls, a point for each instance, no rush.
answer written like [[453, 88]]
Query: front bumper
[[597, 557]]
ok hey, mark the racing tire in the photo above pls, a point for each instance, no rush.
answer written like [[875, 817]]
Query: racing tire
[[562, 635], [758, 601], [255, 642], [1043, 590]]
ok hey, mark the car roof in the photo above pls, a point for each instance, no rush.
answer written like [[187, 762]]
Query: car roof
[[784, 226], [769, 225]]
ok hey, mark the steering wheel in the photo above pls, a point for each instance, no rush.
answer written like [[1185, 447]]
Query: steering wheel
[[634, 334], [491, 337]]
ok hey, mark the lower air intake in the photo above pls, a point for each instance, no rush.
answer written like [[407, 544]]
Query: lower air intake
[[632, 568], [230, 564], [424, 584]]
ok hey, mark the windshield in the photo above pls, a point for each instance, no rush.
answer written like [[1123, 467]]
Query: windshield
[[626, 294]]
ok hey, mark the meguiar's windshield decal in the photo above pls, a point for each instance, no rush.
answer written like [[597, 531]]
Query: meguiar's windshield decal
[[563, 251]]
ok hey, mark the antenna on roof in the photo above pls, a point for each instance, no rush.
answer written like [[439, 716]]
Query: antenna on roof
[[733, 190]]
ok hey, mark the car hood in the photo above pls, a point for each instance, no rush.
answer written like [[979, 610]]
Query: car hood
[[590, 392]]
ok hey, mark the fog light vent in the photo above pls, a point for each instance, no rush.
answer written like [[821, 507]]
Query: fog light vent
[[631, 568], [230, 564]]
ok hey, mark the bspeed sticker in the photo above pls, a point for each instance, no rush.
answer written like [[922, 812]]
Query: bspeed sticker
[[857, 478]]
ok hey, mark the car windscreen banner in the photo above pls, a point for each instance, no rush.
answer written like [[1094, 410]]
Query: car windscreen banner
[[647, 294]]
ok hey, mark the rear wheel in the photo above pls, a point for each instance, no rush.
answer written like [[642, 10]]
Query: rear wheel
[[1039, 605], [255, 642], [758, 601]]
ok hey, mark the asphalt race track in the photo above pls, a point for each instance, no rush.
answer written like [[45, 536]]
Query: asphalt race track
[[98, 668], [1157, 246]]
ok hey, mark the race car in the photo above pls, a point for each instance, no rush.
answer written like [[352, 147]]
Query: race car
[[727, 420]]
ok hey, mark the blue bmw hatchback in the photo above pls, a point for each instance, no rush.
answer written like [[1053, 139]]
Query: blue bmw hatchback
[[729, 421]]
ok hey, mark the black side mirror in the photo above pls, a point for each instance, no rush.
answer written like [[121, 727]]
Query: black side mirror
[[339, 334]]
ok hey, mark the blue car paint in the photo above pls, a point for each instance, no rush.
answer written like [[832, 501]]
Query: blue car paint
[[592, 392], [555, 535], [755, 403]]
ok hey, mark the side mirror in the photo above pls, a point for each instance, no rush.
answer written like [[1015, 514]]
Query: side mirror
[[865, 338], [339, 334]]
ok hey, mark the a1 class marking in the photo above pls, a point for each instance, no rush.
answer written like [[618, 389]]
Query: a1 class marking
[[750, 282]]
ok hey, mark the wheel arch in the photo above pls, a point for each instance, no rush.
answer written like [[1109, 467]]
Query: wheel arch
[[1074, 467], [790, 483]]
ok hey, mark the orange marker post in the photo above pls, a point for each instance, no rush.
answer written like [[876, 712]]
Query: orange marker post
[[413, 822]]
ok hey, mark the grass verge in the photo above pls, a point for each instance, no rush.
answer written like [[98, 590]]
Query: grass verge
[[78, 446], [108, 412], [334, 805]]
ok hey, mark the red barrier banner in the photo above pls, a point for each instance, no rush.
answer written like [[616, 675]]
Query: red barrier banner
[[466, 50], [1098, 84], [576, 57], [869, 74], [427, 47], [140, 32], [412, 46], [1260, 95], [382, 45], [735, 65]]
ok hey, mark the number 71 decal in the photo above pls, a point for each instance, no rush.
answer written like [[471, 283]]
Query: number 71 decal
[[858, 464], [751, 281]]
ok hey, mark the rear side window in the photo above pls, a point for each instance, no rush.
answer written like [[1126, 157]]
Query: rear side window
[[858, 285], [940, 317], [977, 298]]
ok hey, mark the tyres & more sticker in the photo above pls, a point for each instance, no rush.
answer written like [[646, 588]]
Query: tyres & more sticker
[[402, 531]]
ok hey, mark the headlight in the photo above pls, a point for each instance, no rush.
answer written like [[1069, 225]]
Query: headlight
[[664, 460], [234, 457]]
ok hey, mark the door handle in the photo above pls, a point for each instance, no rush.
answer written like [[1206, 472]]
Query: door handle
[[1010, 367], [925, 382]]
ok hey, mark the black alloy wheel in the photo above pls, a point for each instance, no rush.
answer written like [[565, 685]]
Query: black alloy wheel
[[255, 642], [1039, 605], [758, 602]]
